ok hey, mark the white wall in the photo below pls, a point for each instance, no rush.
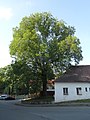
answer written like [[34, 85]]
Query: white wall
[[72, 94]]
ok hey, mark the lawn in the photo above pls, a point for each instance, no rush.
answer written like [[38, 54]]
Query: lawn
[[39, 100]]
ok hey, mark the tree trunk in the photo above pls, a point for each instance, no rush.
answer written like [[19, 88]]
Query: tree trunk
[[44, 81], [9, 91], [44, 87]]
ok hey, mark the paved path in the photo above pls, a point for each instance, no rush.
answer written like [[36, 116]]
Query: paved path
[[9, 111]]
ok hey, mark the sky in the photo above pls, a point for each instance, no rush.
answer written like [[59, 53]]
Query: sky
[[74, 12]]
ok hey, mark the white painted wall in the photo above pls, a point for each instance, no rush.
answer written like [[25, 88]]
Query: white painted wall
[[72, 94]]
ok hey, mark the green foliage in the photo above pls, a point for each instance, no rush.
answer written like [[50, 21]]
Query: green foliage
[[2, 79], [22, 74], [14, 78], [45, 44]]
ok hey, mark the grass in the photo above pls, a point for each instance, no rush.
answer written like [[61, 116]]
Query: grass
[[50, 99], [77, 101], [83, 101], [38, 100]]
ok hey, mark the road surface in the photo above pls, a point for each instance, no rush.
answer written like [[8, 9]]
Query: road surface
[[9, 111]]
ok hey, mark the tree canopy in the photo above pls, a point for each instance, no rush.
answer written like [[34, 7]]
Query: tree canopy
[[46, 44]]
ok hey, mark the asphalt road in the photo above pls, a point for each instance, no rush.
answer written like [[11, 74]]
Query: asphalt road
[[9, 111]]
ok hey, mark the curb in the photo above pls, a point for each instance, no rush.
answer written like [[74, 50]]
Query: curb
[[53, 104]]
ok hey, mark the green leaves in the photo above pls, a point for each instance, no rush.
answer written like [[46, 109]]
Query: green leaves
[[47, 43]]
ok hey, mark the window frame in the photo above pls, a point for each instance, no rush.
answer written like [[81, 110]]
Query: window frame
[[65, 91], [79, 91], [86, 89]]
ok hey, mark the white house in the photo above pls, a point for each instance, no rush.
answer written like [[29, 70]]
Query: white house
[[74, 84]]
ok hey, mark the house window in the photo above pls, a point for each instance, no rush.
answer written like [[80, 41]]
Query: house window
[[65, 91], [86, 89], [79, 91]]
